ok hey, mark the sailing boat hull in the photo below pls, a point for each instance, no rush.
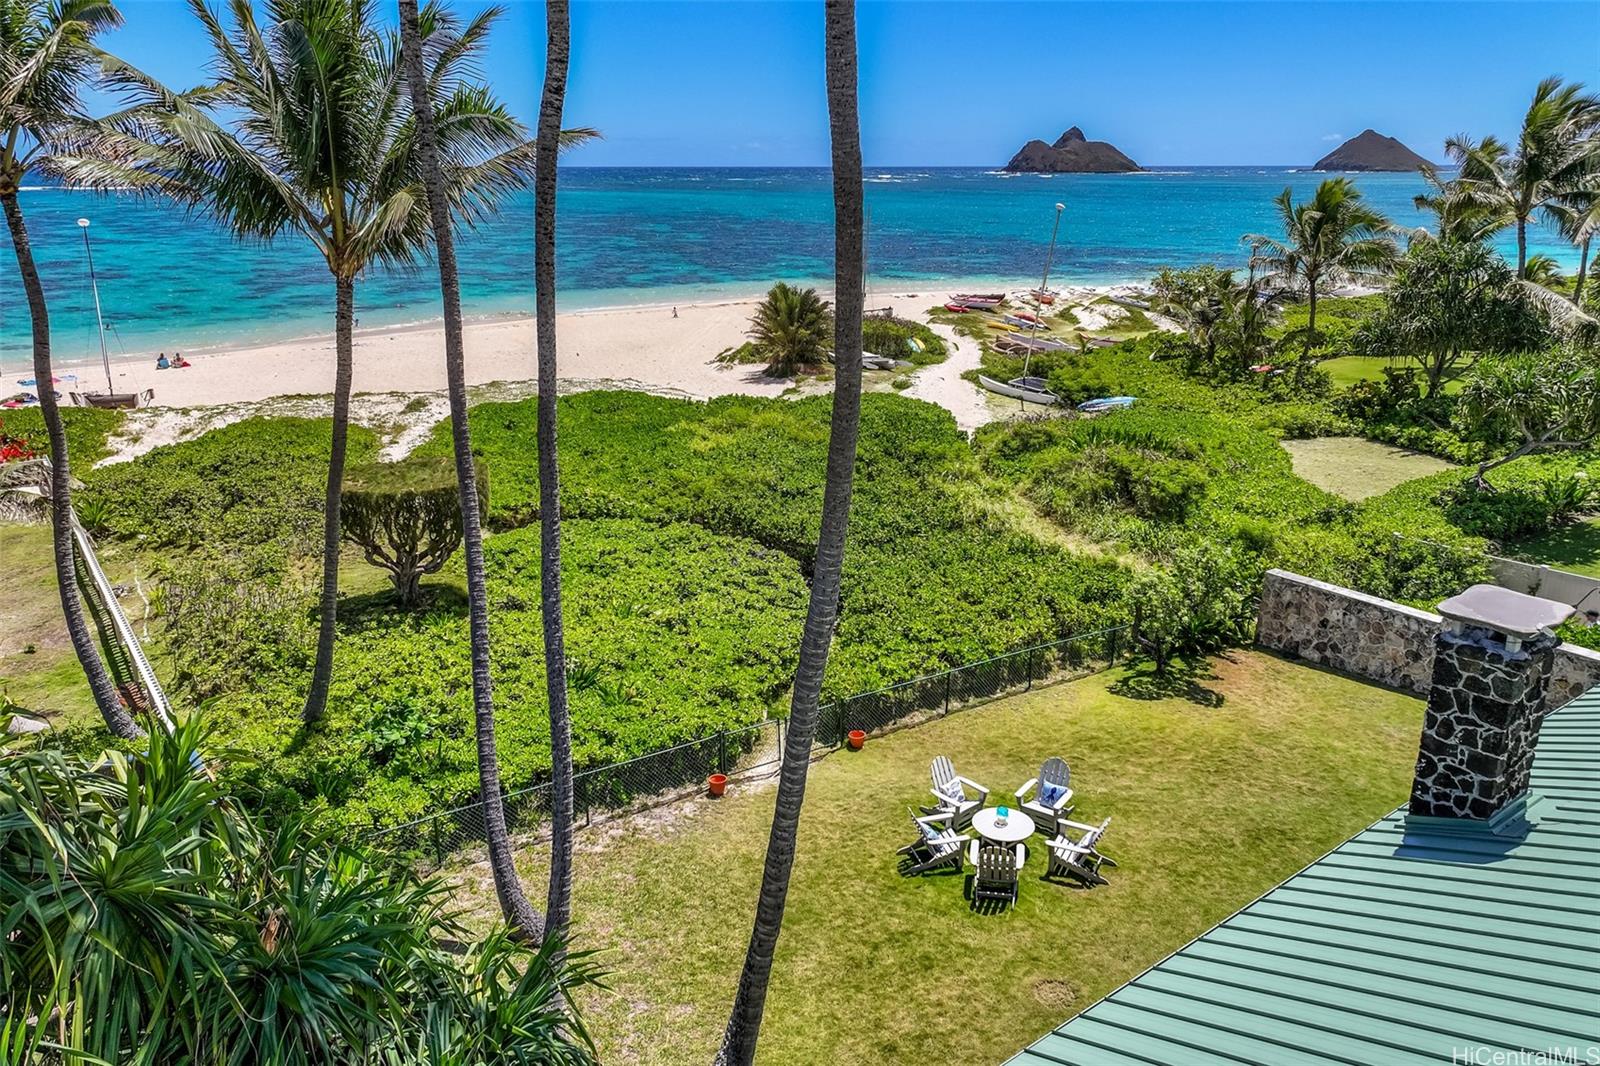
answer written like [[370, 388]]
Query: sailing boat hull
[[110, 400]]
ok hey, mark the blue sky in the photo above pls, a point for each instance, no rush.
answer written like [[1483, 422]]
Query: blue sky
[[735, 83]]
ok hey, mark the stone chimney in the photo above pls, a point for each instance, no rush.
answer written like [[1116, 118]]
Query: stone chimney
[[1491, 666]]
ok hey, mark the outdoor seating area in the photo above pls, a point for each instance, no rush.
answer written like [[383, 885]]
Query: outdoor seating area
[[993, 849], [1284, 761]]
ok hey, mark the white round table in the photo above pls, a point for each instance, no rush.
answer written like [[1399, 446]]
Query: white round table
[[1018, 827]]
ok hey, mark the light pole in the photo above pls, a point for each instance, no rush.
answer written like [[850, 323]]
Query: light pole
[[105, 357]]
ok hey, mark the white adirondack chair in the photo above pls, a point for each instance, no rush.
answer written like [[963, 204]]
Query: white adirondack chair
[[1079, 858], [950, 790], [937, 843], [1051, 798], [997, 869]]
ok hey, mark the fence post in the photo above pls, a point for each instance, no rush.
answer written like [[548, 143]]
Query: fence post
[[722, 752], [438, 841], [1112, 659], [947, 675], [1030, 671]]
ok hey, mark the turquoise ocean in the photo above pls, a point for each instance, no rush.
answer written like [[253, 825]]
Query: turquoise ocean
[[172, 280]]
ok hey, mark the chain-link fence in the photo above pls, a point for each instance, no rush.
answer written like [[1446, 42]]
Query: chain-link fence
[[683, 769]]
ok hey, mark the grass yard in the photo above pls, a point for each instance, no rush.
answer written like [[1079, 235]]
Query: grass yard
[[1346, 370], [1574, 547], [1355, 468], [1220, 785]]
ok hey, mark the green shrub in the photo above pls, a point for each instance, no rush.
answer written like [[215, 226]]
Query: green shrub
[[257, 483], [88, 429], [893, 336], [406, 516]]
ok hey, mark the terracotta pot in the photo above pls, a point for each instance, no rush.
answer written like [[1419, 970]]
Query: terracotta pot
[[717, 783], [857, 738]]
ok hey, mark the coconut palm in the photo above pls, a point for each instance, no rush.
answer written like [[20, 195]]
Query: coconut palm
[[1332, 239], [1461, 215], [47, 53], [306, 130], [791, 328], [1544, 271], [744, 1022], [1576, 214], [519, 913], [551, 102], [1555, 148]]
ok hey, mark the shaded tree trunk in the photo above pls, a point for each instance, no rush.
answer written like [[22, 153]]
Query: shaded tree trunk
[[1522, 248], [1311, 314], [343, 327], [117, 718], [1583, 272], [519, 913], [548, 136], [744, 1022]]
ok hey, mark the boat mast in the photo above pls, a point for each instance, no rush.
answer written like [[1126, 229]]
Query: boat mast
[[105, 357], [1044, 284]]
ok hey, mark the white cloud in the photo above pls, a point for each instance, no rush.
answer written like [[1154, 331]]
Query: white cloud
[[1333, 136]]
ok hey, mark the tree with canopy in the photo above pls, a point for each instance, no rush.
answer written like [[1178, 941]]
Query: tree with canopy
[[1555, 148], [306, 129], [1334, 238], [1449, 301], [1530, 402], [406, 518]]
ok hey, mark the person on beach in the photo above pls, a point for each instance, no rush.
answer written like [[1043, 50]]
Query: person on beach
[[162, 363], [674, 312], [178, 361]]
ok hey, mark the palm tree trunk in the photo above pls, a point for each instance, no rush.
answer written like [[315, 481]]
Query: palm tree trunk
[[118, 720], [1522, 248], [1583, 272], [744, 1022], [519, 913], [343, 326], [551, 103], [1311, 314]]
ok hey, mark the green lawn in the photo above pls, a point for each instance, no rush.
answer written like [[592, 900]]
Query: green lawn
[[1356, 468], [1234, 779], [1574, 547], [1346, 370]]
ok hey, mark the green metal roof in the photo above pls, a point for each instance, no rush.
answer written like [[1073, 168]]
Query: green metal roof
[[1399, 947]]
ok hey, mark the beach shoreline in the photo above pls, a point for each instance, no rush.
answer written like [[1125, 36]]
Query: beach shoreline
[[655, 346]]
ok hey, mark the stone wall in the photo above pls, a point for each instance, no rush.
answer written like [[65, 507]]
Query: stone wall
[[1378, 639], [1347, 630]]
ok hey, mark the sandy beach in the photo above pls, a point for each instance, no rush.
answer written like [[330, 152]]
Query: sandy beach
[[642, 347]]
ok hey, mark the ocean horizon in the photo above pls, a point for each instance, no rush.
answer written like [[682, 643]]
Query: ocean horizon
[[170, 279]]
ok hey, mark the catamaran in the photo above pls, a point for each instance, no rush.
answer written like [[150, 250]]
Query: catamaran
[[109, 398]]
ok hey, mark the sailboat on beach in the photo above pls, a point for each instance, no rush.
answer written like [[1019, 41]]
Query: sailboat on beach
[[109, 398], [1027, 388]]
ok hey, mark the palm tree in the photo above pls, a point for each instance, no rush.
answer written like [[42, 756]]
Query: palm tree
[[1576, 214], [791, 328], [744, 1022], [1333, 238], [305, 130], [47, 52], [1461, 214], [1543, 270], [519, 913], [551, 102], [1554, 149]]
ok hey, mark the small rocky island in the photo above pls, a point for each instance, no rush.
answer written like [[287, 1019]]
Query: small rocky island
[[1071, 154], [1371, 150]]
